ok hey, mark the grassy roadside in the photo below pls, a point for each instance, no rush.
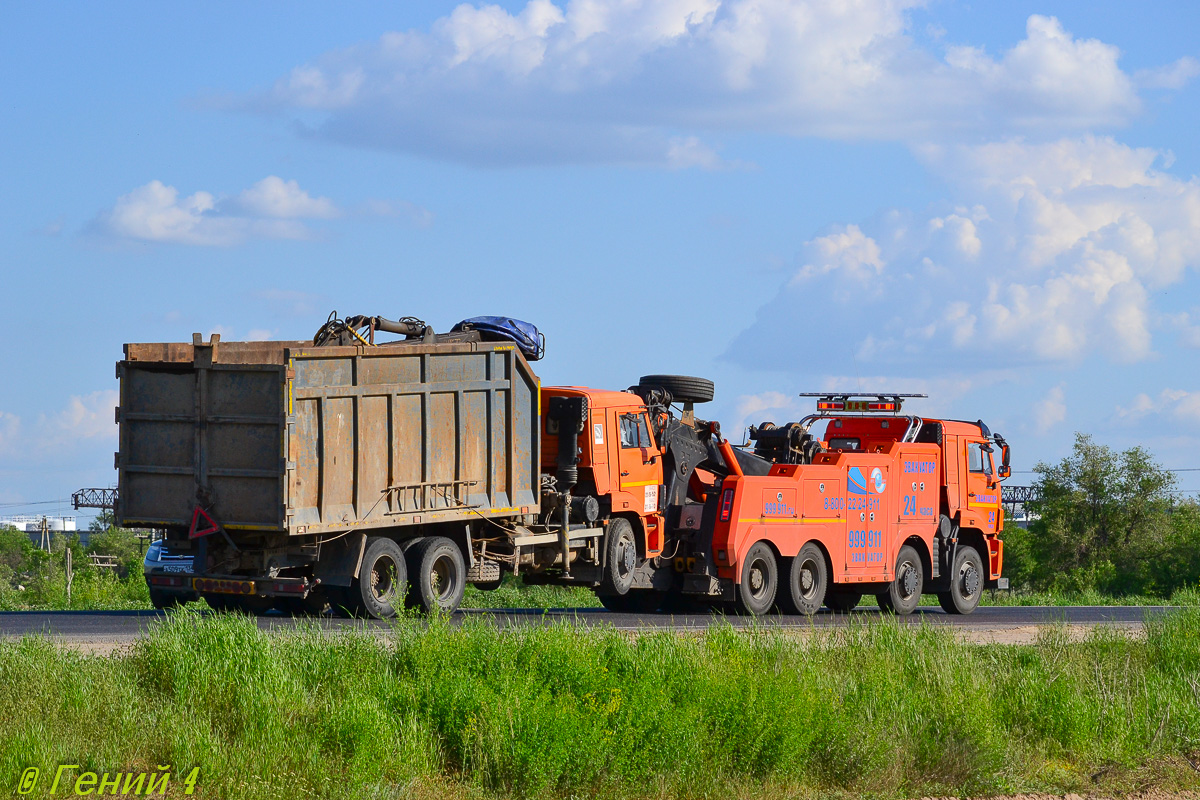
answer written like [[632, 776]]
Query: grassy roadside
[[878, 708]]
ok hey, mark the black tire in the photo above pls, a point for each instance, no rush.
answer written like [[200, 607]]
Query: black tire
[[440, 575], [966, 582], [162, 600], [904, 594], [382, 580], [635, 601], [620, 558], [804, 582], [756, 592], [841, 602], [683, 388]]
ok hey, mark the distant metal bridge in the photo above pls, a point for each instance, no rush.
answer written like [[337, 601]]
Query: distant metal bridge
[[1018, 495], [105, 499]]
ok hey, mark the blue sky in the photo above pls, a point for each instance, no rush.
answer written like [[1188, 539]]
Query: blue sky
[[996, 204]]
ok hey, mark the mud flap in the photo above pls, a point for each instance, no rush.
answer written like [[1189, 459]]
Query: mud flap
[[339, 560]]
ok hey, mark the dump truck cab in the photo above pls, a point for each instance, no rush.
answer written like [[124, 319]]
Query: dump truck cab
[[620, 464]]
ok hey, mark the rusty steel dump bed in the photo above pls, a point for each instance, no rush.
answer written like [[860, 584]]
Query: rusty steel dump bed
[[290, 438]]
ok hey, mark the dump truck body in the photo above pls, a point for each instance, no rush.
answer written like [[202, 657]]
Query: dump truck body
[[286, 438]]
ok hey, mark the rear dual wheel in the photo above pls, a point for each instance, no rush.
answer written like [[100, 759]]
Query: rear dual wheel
[[804, 583], [756, 592], [438, 575]]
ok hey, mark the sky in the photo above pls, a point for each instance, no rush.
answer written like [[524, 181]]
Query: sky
[[995, 204]]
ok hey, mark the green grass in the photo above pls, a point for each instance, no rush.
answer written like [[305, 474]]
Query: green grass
[[879, 709]]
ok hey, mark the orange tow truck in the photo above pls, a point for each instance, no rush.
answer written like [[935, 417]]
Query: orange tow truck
[[875, 503]]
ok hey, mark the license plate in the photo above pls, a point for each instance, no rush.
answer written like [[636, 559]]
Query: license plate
[[221, 586], [175, 568]]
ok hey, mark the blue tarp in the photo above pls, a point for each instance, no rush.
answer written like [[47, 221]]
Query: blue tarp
[[524, 334]]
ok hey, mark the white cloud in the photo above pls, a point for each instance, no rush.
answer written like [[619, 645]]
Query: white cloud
[[1057, 255], [275, 197], [84, 417], [88, 416], [270, 209], [641, 80], [1176, 405], [1172, 76], [847, 250], [1051, 409]]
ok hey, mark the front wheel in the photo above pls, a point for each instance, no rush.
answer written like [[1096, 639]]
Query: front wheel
[[760, 581], [966, 582], [620, 558], [804, 582], [904, 594]]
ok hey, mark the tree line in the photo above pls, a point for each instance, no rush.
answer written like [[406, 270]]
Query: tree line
[[1106, 520]]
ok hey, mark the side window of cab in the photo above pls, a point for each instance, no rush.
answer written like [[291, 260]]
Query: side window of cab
[[977, 460], [634, 432]]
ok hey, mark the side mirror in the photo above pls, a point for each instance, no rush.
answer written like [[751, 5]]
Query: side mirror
[[1004, 471]]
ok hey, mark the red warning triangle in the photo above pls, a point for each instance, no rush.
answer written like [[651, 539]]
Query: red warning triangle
[[195, 532]]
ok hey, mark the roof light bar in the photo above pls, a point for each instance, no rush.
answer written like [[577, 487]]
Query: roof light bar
[[885, 402]]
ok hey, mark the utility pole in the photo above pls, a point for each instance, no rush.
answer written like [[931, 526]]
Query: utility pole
[[44, 528]]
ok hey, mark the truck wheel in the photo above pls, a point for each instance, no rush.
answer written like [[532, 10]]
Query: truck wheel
[[804, 582], [904, 594], [620, 558], [966, 582], [382, 579], [841, 602], [441, 575], [760, 581], [683, 388]]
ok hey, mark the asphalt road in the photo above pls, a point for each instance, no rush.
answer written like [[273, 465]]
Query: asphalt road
[[122, 626]]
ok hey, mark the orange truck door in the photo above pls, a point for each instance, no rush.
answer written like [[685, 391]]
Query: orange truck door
[[638, 462], [866, 519], [983, 493]]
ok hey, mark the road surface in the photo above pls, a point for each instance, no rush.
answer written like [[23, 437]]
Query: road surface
[[102, 631]]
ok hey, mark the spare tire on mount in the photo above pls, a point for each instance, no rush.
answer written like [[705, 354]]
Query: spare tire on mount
[[683, 388]]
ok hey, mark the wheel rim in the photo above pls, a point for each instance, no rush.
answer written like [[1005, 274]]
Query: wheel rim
[[759, 578], [968, 579], [626, 556], [383, 578], [808, 579], [443, 577], [906, 581]]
